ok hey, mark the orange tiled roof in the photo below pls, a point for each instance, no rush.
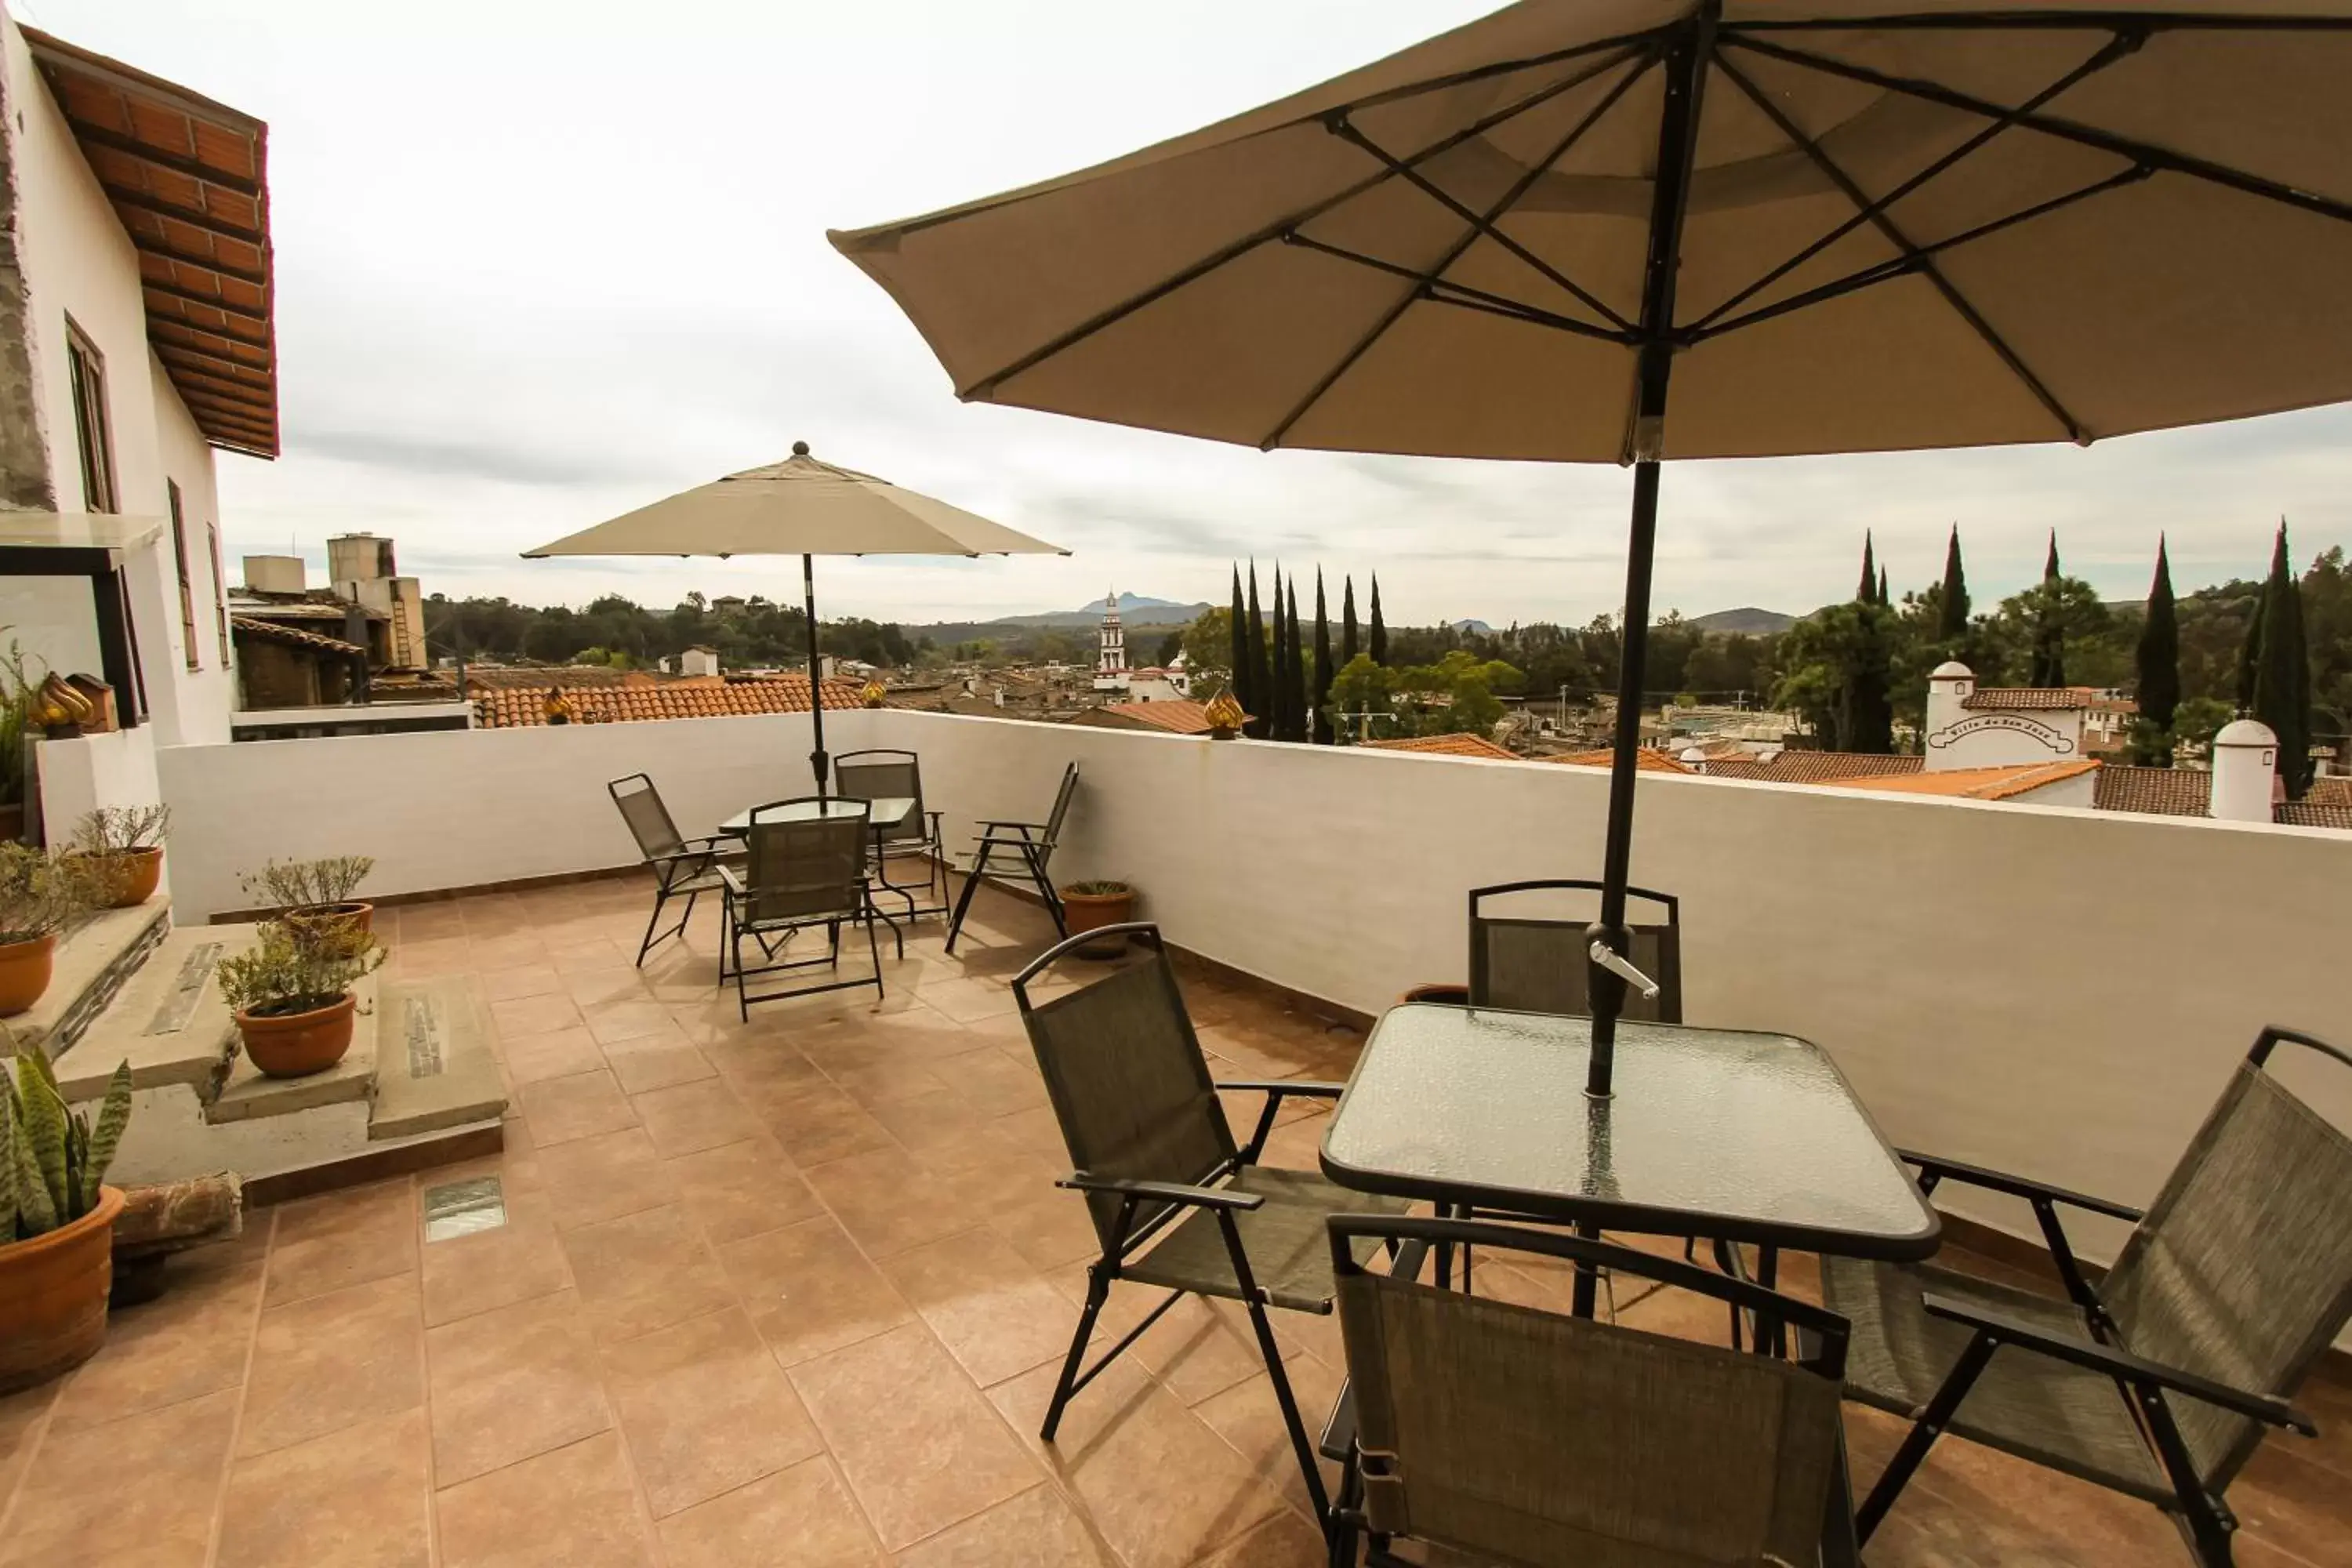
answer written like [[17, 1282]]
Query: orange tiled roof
[[2313, 813], [1975, 784], [1814, 767], [1458, 745], [2029, 699], [293, 636], [1177, 718], [2158, 792], [505, 707], [1646, 760], [538, 677]]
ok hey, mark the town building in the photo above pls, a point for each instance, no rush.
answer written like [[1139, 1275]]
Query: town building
[[1172, 715], [1111, 658]]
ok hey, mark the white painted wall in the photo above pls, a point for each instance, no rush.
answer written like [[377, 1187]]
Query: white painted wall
[[2055, 991], [83, 774]]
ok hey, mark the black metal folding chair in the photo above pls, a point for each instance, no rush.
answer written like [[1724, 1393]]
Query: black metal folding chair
[[2159, 1381], [682, 867], [878, 774], [1519, 1435], [800, 871], [1532, 963], [1031, 844], [1175, 1204]]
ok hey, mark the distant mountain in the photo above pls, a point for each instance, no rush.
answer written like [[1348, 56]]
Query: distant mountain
[[1748, 620], [1134, 609], [1479, 627]]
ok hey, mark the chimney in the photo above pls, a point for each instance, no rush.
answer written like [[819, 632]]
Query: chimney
[[1952, 685], [274, 573], [2245, 772], [699, 661], [1695, 759]]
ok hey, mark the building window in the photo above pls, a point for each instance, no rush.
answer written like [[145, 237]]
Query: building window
[[187, 589], [92, 437], [220, 592]]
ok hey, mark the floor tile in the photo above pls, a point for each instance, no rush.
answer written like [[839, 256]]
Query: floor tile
[[991, 1083], [995, 1314], [358, 1498], [1284, 1541], [579, 1106], [820, 1123], [24, 1419], [496, 1268], [572, 1508], [165, 1520], [1037, 1529], [657, 1061], [600, 987], [888, 1203], [808, 1290], [536, 979], [510, 1383], [705, 1409], [330, 1362], [558, 1053], [633, 1018], [540, 1014], [1050, 1230], [920, 1448], [1247, 1416], [605, 1177], [742, 1189], [344, 1239], [799, 1517], [192, 1340], [645, 1271], [691, 1115]]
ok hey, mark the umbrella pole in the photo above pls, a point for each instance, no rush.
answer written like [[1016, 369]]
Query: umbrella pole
[[816, 671]]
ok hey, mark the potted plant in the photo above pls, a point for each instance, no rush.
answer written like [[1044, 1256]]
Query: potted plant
[[313, 892], [124, 846], [1088, 905], [292, 993], [15, 721], [56, 1221], [41, 897]]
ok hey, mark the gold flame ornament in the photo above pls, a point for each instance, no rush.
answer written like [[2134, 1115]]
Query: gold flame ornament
[[872, 693], [61, 709], [560, 709], [1225, 716]]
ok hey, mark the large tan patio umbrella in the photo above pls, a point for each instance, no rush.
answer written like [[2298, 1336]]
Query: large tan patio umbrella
[[805, 508], [1834, 225]]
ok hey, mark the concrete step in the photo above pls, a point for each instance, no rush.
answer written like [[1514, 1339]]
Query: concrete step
[[91, 966], [165, 1016], [250, 1093], [435, 1068]]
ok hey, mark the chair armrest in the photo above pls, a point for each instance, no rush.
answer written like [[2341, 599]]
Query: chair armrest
[[987, 823], [2015, 1186], [2118, 1364], [727, 882], [1279, 1087], [1164, 1191]]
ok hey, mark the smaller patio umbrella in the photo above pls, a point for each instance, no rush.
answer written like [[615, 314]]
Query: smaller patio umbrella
[[805, 508]]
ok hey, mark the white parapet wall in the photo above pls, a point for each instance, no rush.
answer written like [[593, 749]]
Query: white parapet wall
[[2057, 991]]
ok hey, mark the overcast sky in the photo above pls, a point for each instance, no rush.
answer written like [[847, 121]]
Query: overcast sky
[[538, 264]]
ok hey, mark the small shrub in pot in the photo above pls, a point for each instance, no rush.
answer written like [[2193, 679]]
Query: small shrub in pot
[[124, 845], [292, 992], [313, 892], [42, 896]]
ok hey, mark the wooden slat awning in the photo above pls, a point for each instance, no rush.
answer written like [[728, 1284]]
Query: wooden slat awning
[[189, 180]]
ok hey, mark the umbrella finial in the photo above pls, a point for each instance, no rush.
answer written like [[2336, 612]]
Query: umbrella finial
[[800, 448]]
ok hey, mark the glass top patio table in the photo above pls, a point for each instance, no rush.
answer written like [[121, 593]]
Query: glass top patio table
[[1727, 1134], [889, 811]]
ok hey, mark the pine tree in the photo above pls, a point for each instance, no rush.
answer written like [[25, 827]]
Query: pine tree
[[1347, 643], [2049, 667], [1261, 704], [1298, 704], [2282, 672], [1868, 592], [1240, 655], [1320, 688], [1377, 644], [2159, 662], [1952, 609]]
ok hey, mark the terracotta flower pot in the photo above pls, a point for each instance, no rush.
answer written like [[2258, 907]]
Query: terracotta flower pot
[[289, 1045], [53, 1292], [357, 917], [24, 971], [131, 874], [1087, 911], [1451, 995]]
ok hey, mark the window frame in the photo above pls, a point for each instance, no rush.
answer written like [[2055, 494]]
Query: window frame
[[93, 426], [191, 649], [220, 592]]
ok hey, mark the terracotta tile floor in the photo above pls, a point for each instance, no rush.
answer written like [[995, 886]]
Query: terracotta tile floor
[[793, 1293]]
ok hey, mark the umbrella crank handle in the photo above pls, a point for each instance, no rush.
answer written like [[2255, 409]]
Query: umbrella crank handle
[[1616, 964]]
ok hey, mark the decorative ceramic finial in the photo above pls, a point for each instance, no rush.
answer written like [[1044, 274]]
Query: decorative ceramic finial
[[800, 448]]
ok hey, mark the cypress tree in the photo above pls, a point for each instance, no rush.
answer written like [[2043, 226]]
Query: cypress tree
[[1377, 645], [1869, 706], [2249, 653], [2282, 672], [1952, 610], [2048, 668], [2160, 648], [1298, 728], [1261, 703], [1277, 713], [1240, 652], [1883, 602], [1868, 592], [1322, 687], [1347, 645]]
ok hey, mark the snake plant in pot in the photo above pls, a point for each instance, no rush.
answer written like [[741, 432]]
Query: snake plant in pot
[[57, 1220], [292, 993]]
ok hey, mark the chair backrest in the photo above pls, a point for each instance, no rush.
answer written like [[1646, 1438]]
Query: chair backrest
[[648, 820], [1538, 964], [1127, 1082], [1061, 811], [1522, 1436], [874, 775], [2242, 1271], [802, 870]]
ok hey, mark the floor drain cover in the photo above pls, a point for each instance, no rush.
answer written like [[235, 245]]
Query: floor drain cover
[[464, 1208]]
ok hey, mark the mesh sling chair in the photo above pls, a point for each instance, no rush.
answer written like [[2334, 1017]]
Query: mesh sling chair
[[1522, 1436], [1029, 843], [2159, 1381], [1175, 1202], [879, 773], [682, 867], [799, 872]]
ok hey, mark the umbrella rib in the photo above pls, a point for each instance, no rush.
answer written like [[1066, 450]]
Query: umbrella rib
[[1275, 230], [1341, 126], [2163, 159], [2045, 21], [2122, 44], [1422, 280], [1462, 293], [1904, 266]]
